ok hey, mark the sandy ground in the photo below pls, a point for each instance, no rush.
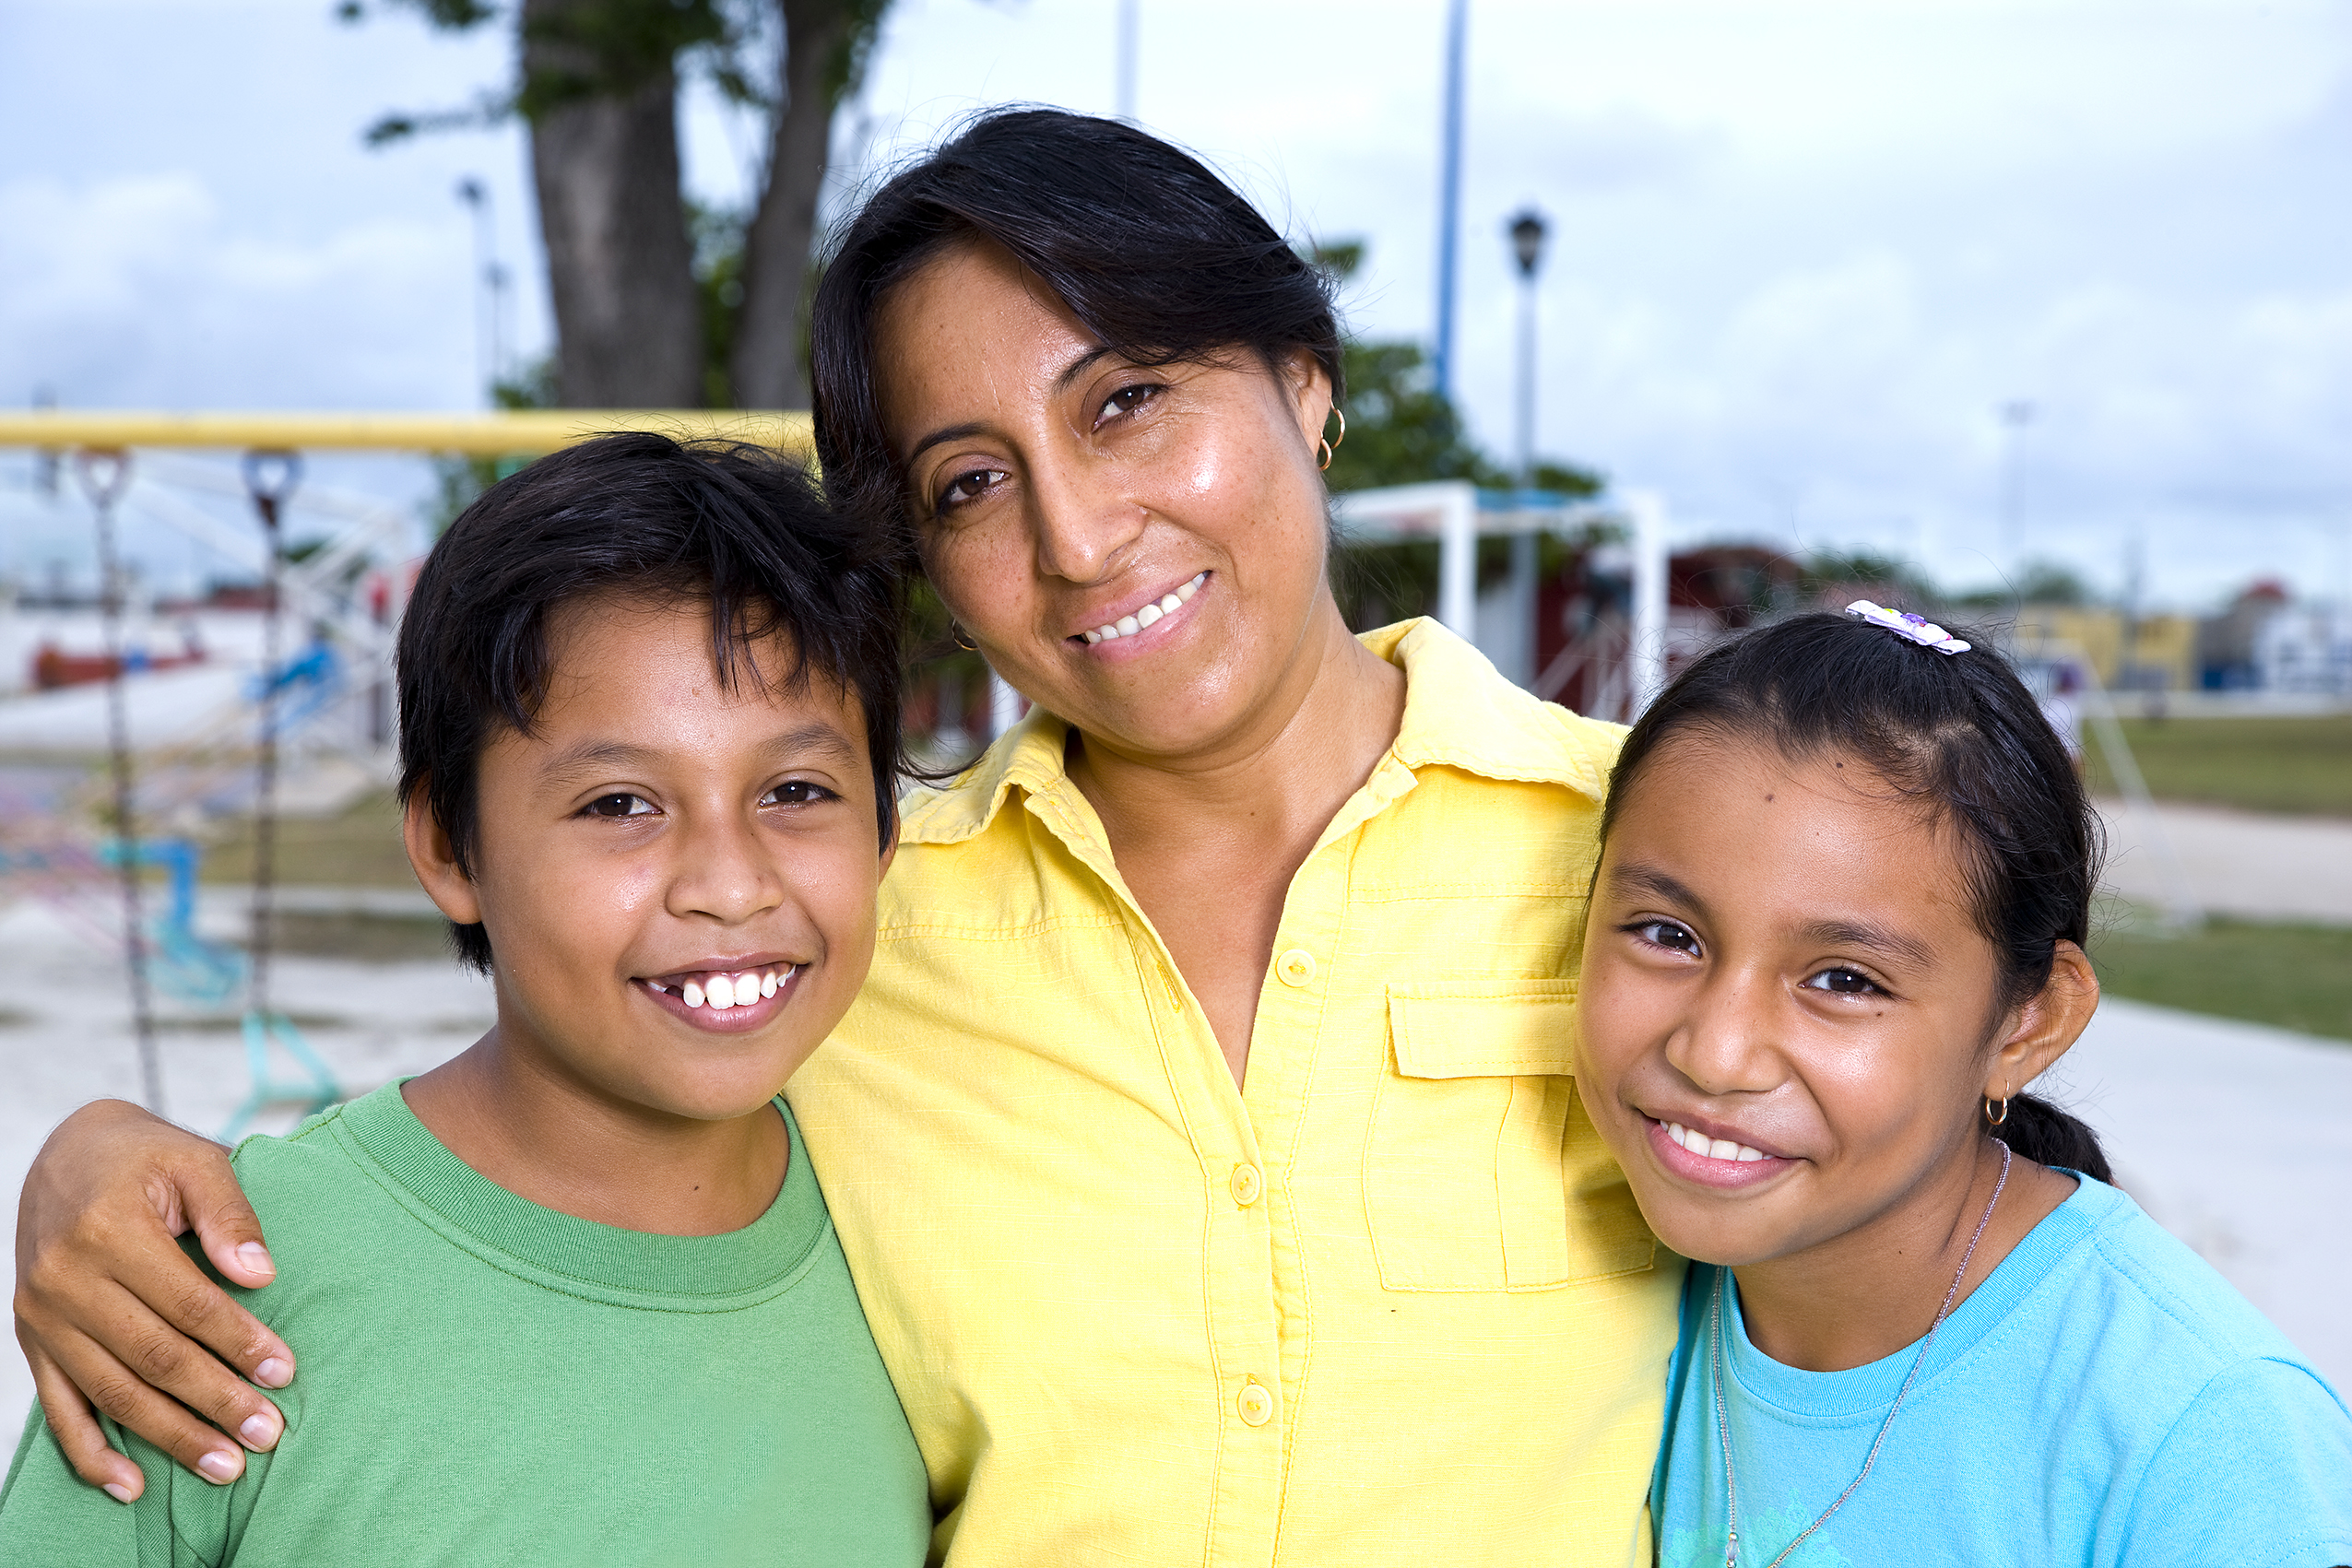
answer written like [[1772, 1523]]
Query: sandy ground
[[2261, 868], [2237, 1138]]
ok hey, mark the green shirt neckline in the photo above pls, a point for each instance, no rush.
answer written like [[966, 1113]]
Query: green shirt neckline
[[627, 1267]]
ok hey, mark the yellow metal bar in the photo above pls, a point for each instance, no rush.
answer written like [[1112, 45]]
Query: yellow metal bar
[[524, 432]]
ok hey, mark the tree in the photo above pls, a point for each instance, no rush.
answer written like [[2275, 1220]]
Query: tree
[[597, 82]]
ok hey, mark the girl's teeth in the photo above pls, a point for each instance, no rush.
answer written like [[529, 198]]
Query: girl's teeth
[[692, 992], [1713, 1148]]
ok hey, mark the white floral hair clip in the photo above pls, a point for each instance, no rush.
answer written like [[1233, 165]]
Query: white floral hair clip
[[1918, 629]]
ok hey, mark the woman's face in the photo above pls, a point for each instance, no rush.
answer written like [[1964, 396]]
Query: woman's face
[[1137, 550]]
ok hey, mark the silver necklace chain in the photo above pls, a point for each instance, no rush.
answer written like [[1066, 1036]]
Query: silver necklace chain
[[1723, 1424]]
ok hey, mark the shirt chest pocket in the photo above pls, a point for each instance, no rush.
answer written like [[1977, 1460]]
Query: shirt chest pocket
[[1482, 1171]]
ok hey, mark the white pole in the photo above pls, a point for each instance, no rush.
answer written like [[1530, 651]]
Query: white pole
[[1004, 705], [1458, 560], [1648, 654]]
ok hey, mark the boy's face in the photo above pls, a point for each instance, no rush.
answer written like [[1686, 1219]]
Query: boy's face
[[661, 845]]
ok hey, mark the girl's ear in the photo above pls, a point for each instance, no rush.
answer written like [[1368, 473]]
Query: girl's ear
[[2047, 1026], [434, 861]]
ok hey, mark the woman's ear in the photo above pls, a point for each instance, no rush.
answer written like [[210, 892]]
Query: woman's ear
[[1309, 387], [2047, 1026], [435, 860]]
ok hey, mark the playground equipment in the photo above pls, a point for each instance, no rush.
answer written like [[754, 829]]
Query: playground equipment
[[126, 462]]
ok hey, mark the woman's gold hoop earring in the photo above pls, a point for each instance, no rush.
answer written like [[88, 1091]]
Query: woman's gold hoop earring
[[1992, 1120], [1331, 448], [960, 640]]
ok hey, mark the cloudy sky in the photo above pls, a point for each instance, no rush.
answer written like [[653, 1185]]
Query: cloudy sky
[[1805, 252]]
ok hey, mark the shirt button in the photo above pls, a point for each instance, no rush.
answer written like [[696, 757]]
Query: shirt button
[[1295, 967], [1257, 1405], [1247, 1184]]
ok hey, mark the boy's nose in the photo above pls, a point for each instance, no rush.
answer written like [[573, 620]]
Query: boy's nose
[[724, 872]]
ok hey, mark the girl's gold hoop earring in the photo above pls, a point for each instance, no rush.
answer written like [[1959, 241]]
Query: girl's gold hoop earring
[[1990, 1119], [960, 640]]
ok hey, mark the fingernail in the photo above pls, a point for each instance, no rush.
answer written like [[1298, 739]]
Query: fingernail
[[273, 1373], [259, 1432], [220, 1468], [118, 1491], [255, 1257]]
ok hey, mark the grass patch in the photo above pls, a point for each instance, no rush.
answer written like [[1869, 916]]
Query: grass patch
[[235, 1023], [358, 849], [370, 938], [2300, 766], [2296, 977]]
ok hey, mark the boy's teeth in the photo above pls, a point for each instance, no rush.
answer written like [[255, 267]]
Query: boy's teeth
[[767, 984], [692, 992], [721, 991]]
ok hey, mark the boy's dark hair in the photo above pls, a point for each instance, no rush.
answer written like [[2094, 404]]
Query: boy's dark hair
[[1152, 252], [637, 517], [1958, 734]]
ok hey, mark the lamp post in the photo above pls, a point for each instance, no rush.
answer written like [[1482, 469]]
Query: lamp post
[[1527, 232], [490, 297]]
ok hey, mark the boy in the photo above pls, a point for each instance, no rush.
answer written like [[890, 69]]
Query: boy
[[649, 728]]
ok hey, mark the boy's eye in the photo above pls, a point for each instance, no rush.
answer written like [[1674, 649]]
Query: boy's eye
[[968, 486], [1666, 934], [797, 792], [1126, 400], [1842, 983], [619, 803]]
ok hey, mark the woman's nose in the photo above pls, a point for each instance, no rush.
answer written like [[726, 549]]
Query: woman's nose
[[1082, 518]]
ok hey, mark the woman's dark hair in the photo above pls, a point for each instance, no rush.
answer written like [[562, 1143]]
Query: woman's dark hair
[[1960, 735], [1152, 252], [637, 517]]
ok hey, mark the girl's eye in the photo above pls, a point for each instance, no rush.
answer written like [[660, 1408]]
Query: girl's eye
[[797, 792], [1126, 400], [619, 803], [1843, 982], [1666, 934], [969, 486]]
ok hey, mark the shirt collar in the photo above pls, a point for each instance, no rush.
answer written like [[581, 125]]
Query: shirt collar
[[1460, 713]]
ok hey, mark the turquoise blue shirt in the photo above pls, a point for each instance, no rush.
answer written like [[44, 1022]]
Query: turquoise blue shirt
[[2104, 1398]]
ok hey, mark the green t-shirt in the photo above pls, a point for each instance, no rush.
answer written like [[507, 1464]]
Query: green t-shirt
[[485, 1381]]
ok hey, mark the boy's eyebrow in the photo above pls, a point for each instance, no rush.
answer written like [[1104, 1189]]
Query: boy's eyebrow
[[816, 737]]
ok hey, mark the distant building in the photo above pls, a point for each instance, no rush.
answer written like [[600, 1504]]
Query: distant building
[[2305, 650], [2149, 653], [2226, 660]]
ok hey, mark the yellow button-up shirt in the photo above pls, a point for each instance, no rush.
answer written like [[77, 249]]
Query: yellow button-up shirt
[[1388, 1303]]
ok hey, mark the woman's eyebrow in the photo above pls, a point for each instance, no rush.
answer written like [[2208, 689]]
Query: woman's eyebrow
[[939, 437], [1070, 373]]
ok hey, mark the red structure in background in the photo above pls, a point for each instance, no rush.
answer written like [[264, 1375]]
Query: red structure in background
[[52, 667], [1584, 616]]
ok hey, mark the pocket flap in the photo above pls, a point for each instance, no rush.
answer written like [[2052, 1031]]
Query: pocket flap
[[1483, 1028]]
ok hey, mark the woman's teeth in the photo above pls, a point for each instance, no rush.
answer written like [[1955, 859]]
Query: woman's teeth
[[720, 992], [1128, 625], [1713, 1148]]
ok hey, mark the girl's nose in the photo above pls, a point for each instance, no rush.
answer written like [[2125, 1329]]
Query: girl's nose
[[1726, 1044]]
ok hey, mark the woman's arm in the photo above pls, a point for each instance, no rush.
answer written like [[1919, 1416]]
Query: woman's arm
[[111, 1313]]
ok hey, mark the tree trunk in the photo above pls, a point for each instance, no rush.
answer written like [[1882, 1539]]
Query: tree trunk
[[770, 365], [612, 215]]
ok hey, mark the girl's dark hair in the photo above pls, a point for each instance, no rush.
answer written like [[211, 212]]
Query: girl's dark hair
[[1960, 735], [1154, 252], [639, 517]]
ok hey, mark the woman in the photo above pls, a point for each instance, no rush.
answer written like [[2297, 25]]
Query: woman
[[1203, 1144]]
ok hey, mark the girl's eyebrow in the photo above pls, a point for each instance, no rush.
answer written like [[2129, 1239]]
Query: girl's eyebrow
[[1871, 938], [1638, 878]]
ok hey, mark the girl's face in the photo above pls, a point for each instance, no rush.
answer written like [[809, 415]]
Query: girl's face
[[1788, 1011], [1060, 489]]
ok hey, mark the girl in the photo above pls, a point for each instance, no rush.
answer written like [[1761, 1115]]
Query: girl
[[1837, 929]]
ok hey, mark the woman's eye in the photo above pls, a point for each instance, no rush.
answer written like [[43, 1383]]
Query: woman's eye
[[619, 803], [1126, 400], [970, 485], [1843, 982], [1666, 934], [798, 791]]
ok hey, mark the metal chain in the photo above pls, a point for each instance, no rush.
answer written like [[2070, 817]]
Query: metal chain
[[270, 477], [1724, 1426], [105, 475]]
